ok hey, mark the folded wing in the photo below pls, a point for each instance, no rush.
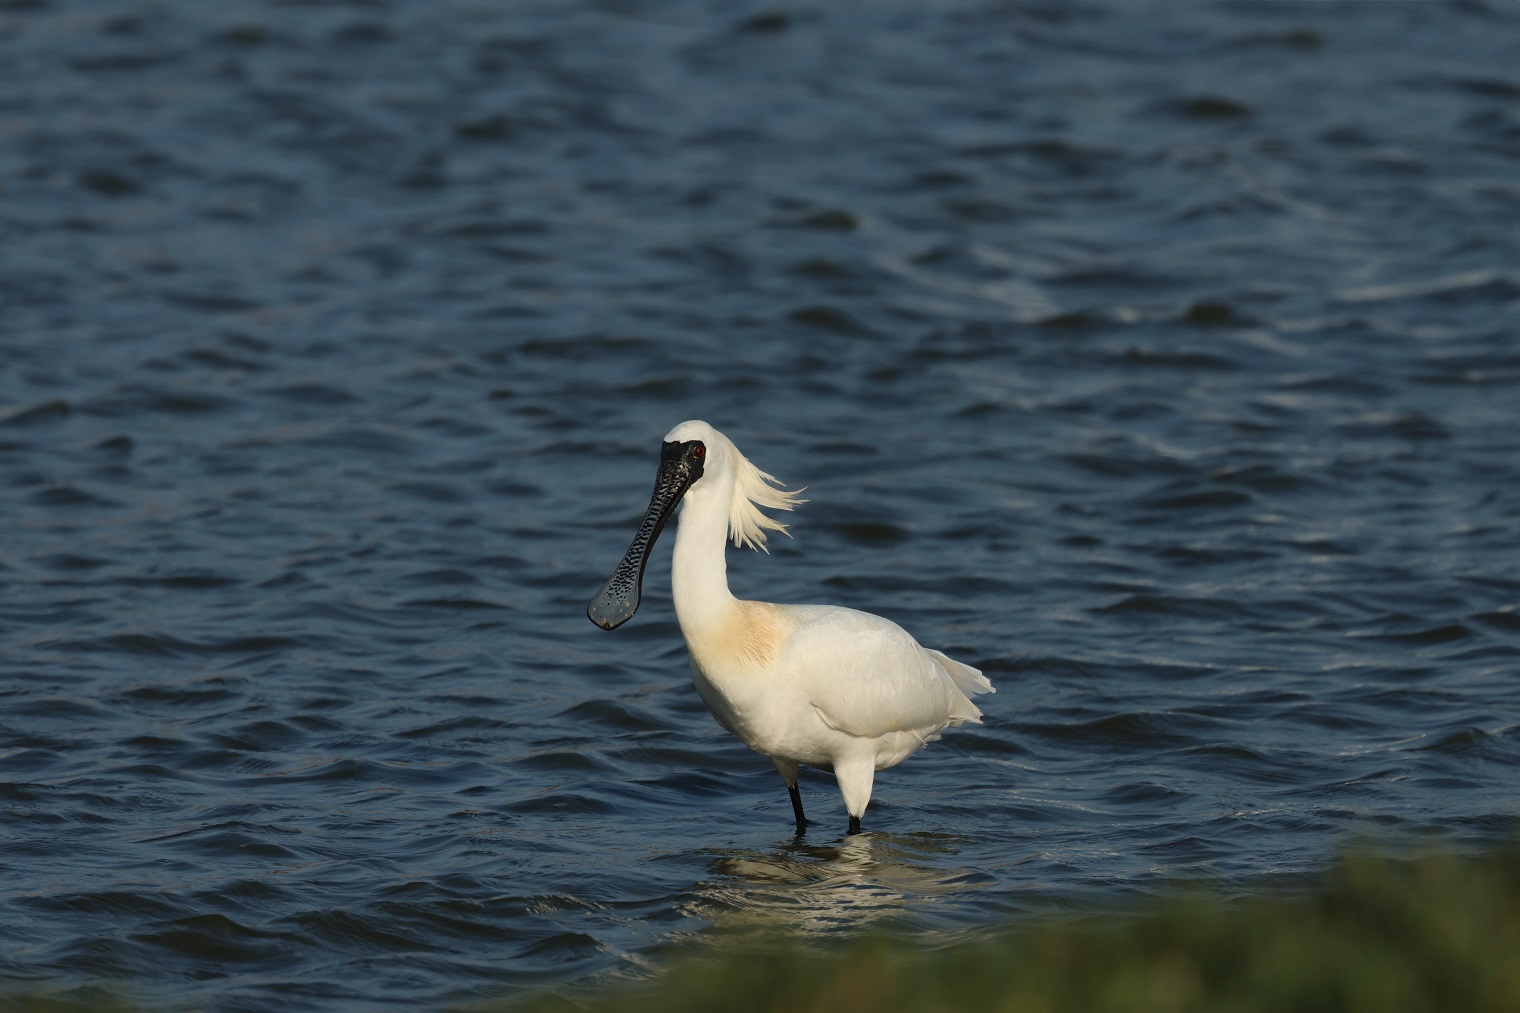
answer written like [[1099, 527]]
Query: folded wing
[[865, 676]]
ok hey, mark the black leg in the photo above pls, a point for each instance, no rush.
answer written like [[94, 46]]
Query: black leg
[[854, 824], [791, 790]]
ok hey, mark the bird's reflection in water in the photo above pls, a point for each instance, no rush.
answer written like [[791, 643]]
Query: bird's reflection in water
[[803, 888]]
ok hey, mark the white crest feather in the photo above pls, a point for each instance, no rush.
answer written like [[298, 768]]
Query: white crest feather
[[754, 489]]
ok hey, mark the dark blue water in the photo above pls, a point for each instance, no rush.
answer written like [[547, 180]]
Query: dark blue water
[[1161, 360]]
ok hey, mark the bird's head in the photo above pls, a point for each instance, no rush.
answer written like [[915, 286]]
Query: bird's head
[[694, 457]]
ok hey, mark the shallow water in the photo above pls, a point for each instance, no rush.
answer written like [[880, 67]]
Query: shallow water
[[1160, 360]]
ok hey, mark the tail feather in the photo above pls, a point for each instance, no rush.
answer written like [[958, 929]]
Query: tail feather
[[968, 680]]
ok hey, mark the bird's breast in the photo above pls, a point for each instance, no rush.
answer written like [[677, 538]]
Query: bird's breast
[[738, 674]]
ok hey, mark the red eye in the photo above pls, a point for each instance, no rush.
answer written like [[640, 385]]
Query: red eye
[[698, 450]]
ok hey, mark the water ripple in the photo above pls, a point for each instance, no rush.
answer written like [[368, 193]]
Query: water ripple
[[1163, 367]]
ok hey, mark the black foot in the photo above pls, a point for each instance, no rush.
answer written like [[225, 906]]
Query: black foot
[[796, 795], [854, 824]]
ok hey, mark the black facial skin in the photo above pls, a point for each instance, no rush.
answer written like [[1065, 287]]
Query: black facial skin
[[680, 467]]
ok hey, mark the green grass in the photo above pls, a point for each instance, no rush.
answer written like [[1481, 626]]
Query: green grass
[[1379, 935]]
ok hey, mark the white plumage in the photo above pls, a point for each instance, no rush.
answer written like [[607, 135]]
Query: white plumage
[[830, 687]]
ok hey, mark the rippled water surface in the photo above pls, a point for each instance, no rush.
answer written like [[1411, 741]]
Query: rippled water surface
[[1161, 360]]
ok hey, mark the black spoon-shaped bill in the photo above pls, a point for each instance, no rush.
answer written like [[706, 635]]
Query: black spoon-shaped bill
[[615, 604]]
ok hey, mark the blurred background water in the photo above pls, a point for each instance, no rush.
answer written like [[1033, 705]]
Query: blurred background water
[[1161, 360]]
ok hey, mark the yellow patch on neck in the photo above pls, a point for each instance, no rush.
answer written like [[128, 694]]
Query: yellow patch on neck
[[751, 636]]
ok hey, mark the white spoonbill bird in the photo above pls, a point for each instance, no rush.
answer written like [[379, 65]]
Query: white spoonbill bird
[[830, 687]]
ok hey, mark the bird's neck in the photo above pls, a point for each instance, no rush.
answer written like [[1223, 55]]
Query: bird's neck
[[698, 569]]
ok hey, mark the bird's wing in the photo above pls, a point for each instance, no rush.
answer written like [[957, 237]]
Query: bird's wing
[[865, 676]]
